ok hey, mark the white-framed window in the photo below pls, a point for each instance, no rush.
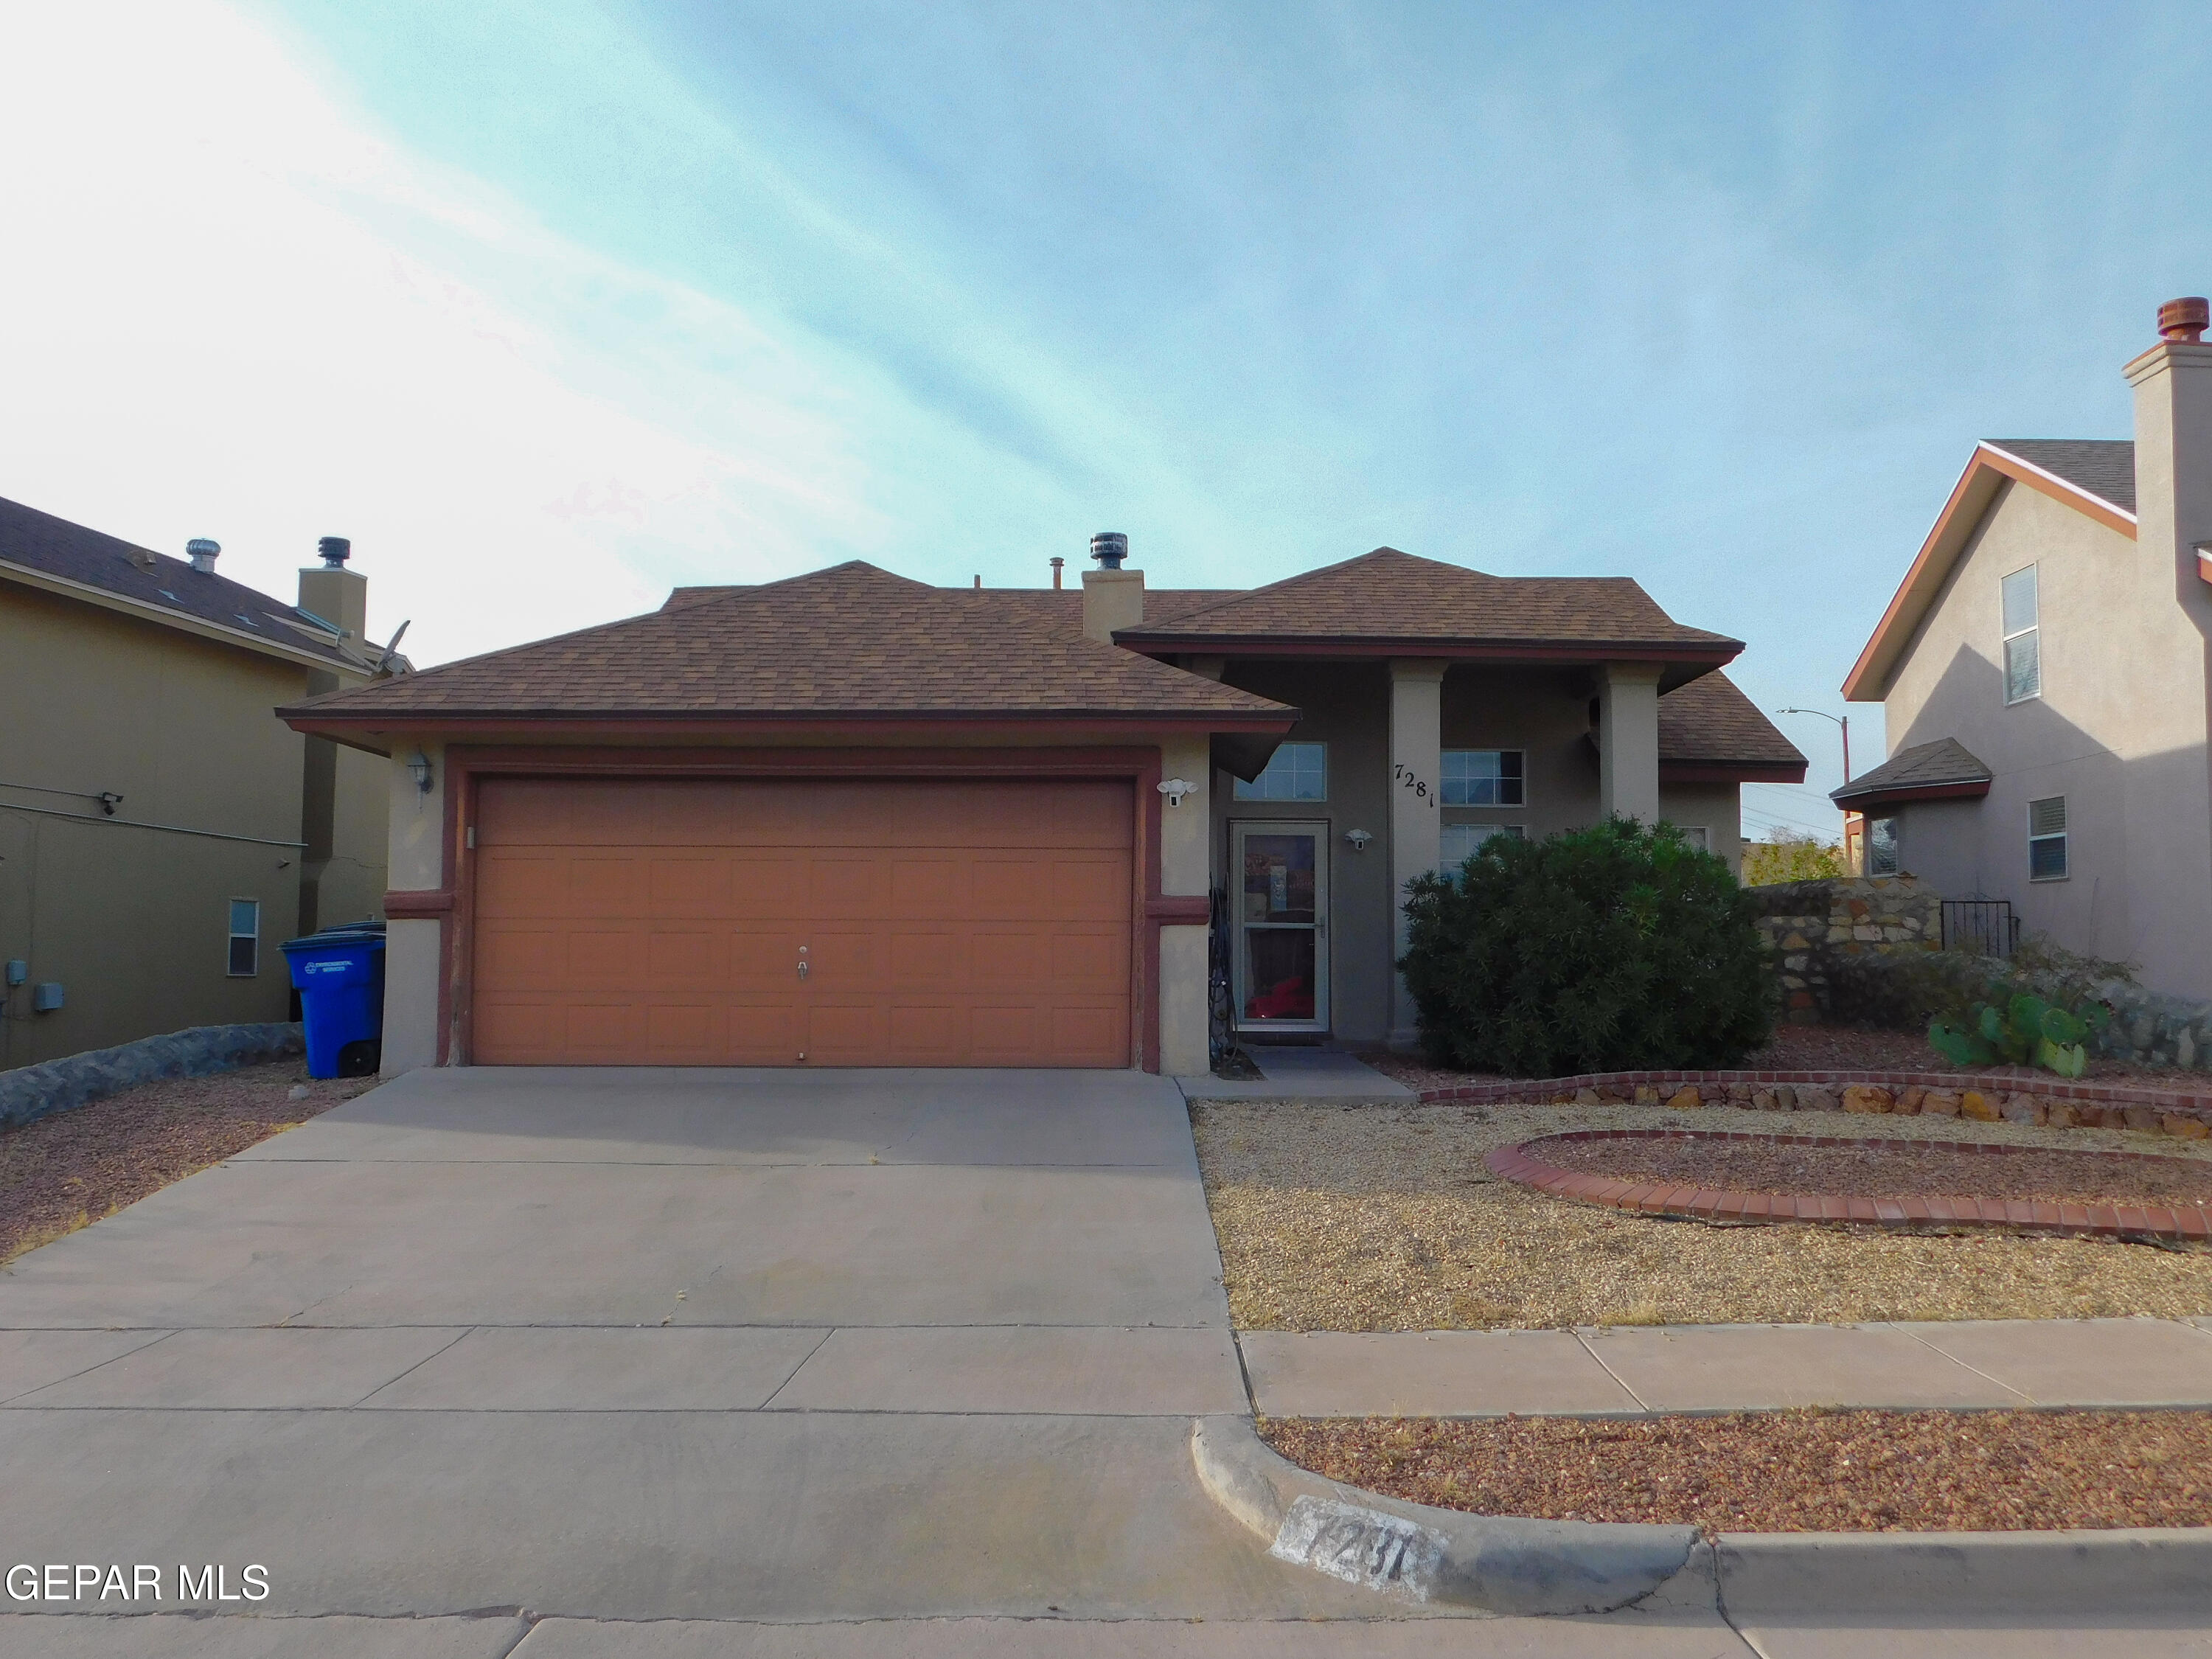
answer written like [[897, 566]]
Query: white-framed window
[[1297, 771], [244, 938], [1485, 777], [2023, 651], [1458, 842], [1881, 846], [2047, 839]]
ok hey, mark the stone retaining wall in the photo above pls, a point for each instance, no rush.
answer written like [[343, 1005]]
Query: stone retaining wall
[[55, 1085], [2050, 1103], [1812, 928]]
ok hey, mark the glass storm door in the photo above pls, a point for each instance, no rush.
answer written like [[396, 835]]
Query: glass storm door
[[1279, 900]]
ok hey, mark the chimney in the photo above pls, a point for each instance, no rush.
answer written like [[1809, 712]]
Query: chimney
[[331, 591], [202, 552], [1112, 597], [1056, 561]]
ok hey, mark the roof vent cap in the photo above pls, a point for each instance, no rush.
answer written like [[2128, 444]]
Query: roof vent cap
[[1109, 548], [202, 552], [2184, 319], [336, 551]]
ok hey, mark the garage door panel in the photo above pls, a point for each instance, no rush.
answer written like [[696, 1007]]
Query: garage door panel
[[942, 924]]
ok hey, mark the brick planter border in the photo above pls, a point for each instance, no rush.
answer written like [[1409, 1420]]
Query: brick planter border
[[2182, 1223], [2181, 1112]]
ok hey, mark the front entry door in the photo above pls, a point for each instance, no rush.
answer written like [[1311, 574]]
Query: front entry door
[[1281, 903]]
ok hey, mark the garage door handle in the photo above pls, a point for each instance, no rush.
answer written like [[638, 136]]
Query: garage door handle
[[802, 970]]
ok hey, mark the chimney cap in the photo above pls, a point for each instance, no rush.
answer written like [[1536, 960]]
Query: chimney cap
[[2184, 319], [335, 550], [1109, 548], [202, 551]]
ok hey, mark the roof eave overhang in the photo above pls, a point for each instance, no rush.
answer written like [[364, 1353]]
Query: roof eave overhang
[[1731, 771], [1859, 801], [1989, 470], [181, 622], [377, 731], [1716, 654]]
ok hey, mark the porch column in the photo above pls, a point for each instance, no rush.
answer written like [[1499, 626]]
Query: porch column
[[1628, 741], [1186, 861], [1416, 835]]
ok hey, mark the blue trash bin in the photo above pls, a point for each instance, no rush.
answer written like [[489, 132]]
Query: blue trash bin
[[339, 973]]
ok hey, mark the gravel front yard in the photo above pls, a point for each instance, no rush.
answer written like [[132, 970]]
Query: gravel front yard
[[68, 1170], [1787, 1471], [1382, 1218]]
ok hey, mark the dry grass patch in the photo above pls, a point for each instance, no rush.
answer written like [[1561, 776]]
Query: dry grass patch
[[1382, 1218], [68, 1170], [1801, 1471]]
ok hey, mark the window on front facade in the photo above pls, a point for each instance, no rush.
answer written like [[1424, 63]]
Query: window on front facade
[[2023, 652], [1461, 842], [1297, 771], [1697, 835], [1881, 846], [244, 938], [1485, 777], [2047, 839]]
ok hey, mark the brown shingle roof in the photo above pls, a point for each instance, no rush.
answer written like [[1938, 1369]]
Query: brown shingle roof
[[851, 641], [1942, 764], [1387, 596], [55, 547], [1710, 719]]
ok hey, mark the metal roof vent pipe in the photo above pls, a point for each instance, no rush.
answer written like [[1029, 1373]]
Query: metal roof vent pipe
[[336, 551], [202, 552], [1112, 597]]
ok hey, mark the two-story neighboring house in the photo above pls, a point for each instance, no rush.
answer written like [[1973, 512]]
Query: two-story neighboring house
[[162, 831], [2045, 673], [850, 819]]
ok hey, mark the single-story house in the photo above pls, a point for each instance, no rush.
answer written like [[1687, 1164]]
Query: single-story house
[[850, 819]]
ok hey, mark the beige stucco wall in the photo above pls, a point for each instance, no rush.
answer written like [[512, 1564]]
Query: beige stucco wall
[[133, 922], [2120, 723], [1185, 870], [1718, 807], [415, 858]]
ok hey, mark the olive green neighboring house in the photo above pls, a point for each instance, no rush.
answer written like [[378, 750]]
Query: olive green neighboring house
[[162, 831]]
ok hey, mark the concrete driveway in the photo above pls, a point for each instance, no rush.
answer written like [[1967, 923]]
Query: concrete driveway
[[645, 1346]]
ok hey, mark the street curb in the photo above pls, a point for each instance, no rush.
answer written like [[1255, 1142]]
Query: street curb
[[1502, 1564], [1498, 1565]]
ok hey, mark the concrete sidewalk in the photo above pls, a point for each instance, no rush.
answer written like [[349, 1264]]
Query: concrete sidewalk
[[1625, 1371]]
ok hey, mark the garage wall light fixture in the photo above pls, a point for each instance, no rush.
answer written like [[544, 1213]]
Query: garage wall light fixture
[[1358, 838], [1175, 789], [420, 766]]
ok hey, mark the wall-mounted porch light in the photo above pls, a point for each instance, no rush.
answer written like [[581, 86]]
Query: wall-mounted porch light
[[420, 767], [1358, 838], [1175, 789]]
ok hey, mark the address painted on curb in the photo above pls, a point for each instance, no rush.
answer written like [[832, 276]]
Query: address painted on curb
[[1361, 1547]]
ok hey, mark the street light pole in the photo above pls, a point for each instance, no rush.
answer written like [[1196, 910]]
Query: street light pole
[[1843, 720]]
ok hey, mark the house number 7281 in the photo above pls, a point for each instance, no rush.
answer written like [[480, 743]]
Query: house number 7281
[[1404, 776]]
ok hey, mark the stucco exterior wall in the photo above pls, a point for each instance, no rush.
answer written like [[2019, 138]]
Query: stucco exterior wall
[[1718, 807], [2103, 737], [413, 951], [1185, 870], [1546, 715], [133, 922]]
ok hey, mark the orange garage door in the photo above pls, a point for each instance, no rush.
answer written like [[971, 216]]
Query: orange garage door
[[825, 923]]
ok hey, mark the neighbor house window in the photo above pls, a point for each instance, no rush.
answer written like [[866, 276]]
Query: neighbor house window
[[1461, 842], [1881, 846], [2047, 839], [2023, 655], [1697, 835], [1484, 777], [244, 938], [1299, 771]]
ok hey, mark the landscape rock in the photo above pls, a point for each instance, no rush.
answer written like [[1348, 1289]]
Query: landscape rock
[[1973, 1103], [2021, 1108], [1938, 1102], [54, 1085], [1864, 1098], [2186, 1129], [1686, 1098]]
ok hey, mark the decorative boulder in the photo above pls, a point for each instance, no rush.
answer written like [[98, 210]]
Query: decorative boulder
[[1938, 1102], [1975, 1105], [1862, 1099]]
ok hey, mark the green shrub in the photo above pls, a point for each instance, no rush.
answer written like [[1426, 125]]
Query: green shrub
[[1615, 948]]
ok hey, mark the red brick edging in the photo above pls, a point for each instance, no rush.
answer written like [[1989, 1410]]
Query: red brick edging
[[2186, 1112], [2191, 1222]]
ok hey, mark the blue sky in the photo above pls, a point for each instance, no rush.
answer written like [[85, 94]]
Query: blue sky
[[550, 306]]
